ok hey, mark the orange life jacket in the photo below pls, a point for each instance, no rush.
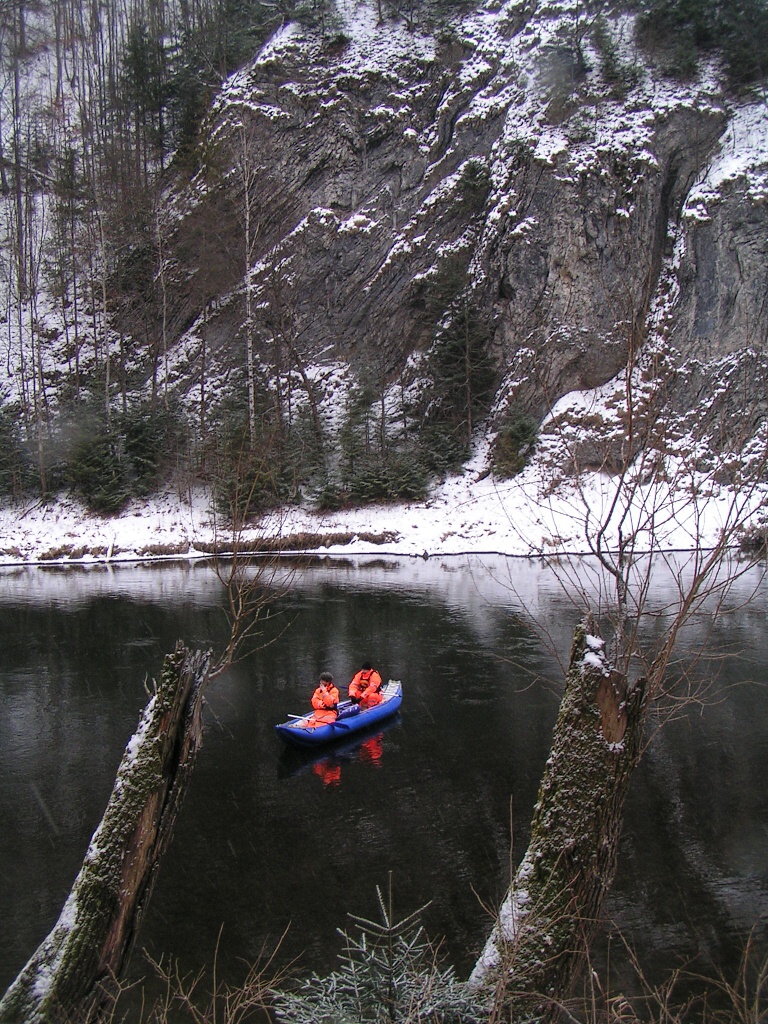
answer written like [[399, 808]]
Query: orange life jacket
[[324, 701], [365, 687]]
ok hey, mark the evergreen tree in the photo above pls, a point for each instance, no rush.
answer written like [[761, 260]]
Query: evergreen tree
[[513, 447], [376, 463], [146, 85], [358, 433], [13, 469], [246, 477], [98, 471], [152, 438], [743, 31], [463, 382], [389, 974], [190, 87], [300, 452], [738, 29]]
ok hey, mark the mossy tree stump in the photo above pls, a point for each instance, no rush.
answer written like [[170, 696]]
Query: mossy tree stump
[[551, 913], [71, 976]]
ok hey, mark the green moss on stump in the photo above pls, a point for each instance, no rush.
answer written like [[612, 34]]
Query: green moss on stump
[[91, 940], [553, 909]]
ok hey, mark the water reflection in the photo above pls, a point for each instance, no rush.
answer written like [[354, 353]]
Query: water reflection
[[366, 747], [328, 769]]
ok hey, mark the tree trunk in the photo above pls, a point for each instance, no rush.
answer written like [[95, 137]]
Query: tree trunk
[[71, 975], [551, 913]]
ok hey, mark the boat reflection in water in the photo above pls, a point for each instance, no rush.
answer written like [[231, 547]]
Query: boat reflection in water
[[366, 746]]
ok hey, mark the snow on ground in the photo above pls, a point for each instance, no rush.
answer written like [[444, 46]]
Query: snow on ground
[[470, 513]]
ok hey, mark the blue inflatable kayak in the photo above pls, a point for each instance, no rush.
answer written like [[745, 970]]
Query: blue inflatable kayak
[[352, 718]]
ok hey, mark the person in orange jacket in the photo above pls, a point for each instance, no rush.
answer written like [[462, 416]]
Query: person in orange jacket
[[365, 686], [325, 701]]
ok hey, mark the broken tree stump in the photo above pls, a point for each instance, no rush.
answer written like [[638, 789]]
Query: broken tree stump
[[550, 914], [72, 974]]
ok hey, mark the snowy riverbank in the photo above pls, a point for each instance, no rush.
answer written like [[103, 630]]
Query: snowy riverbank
[[468, 513]]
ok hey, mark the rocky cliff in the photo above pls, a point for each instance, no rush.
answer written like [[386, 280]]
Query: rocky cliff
[[587, 207]]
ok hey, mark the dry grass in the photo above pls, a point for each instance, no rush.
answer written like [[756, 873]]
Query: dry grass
[[196, 998], [296, 542], [293, 544]]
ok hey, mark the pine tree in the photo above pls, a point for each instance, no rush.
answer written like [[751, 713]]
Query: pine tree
[[389, 974], [97, 470], [737, 28], [743, 32], [12, 465], [463, 377]]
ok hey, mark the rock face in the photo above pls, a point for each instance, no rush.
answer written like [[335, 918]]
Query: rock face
[[723, 283], [394, 172], [581, 278]]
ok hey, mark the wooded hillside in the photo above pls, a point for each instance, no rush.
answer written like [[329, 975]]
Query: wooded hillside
[[311, 251]]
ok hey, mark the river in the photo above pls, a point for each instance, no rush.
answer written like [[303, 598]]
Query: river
[[272, 843]]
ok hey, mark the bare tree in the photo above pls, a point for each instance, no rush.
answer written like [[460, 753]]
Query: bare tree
[[628, 485], [280, 318], [245, 169], [75, 972]]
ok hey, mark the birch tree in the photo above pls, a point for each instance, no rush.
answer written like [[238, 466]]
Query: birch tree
[[245, 170]]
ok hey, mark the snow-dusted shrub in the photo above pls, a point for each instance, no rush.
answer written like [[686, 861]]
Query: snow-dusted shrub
[[513, 447]]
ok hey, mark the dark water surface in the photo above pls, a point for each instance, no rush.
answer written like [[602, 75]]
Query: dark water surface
[[270, 840]]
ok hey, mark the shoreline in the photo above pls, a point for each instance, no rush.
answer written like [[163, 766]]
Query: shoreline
[[337, 549], [464, 516]]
